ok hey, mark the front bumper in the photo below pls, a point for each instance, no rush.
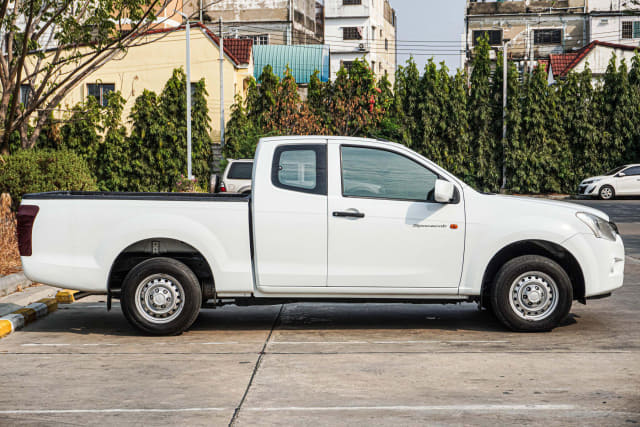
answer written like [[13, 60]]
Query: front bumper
[[601, 260], [587, 189]]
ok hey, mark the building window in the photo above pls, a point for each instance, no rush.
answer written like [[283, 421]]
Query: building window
[[348, 2], [259, 40], [100, 91], [373, 66], [352, 33], [25, 91], [630, 29], [386, 44], [495, 36], [346, 64], [299, 17], [547, 36]]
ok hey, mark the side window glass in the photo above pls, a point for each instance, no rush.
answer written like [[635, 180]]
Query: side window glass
[[370, 172], [297, 168], [300, 168], [632, 171]]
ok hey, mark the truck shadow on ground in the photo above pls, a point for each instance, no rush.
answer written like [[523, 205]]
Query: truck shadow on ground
[[295, 317]]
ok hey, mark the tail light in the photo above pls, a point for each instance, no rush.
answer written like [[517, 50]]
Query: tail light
[[223, 188], [26, 216]]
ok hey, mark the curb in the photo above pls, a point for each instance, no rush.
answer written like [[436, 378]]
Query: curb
[[25, 315], [12, 283], [66, 296]]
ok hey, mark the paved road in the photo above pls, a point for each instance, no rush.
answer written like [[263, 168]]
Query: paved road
[[625, 213], [620, 211], [332, 364], [327, 364]]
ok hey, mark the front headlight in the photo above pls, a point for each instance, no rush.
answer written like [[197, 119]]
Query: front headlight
[[591, 181], [601, 228]]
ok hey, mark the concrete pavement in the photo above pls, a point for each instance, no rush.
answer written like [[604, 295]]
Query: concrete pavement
[[327, 364]]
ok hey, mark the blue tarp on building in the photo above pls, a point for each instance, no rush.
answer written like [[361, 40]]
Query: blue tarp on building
[[303, 60]]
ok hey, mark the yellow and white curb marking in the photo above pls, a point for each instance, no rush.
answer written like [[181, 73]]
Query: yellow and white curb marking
[[25, 315], [66, 296]]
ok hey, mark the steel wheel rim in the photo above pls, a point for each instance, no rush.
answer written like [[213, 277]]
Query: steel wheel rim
[[606, 193], [533, 296], [159, 298]]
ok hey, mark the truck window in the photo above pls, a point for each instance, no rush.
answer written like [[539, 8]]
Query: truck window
[[240, 170], [300, 168], [377, 173]]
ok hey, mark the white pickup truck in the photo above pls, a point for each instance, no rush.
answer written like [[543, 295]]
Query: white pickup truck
[[330, 219]]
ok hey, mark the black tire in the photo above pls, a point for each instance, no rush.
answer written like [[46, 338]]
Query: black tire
[[531, 293], [607, 192], [164, 276]]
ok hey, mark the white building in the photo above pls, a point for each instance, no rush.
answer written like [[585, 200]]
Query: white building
[[614, 21], [361, 29]]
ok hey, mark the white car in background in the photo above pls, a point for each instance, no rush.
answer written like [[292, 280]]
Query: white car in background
[[237, 177], [621, 181]]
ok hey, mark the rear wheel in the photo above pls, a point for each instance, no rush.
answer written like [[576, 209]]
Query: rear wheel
[[607, 192], [531, 293], [161, 296]]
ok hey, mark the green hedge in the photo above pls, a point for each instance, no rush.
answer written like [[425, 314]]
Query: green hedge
[[31, 171]]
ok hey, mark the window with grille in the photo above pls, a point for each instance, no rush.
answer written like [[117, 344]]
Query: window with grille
[[348, 2], [631, 29], [495, 36], [347, 65], [100, 91], [547, 36], [25, 91], [260, 39], [352, 33]]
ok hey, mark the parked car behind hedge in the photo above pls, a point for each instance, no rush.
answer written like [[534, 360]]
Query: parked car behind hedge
[[621, 181]]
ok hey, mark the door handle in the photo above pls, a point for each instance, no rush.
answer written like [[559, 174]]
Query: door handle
[[348, 214]]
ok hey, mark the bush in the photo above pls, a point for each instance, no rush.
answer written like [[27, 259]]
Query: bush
[[33, 171]]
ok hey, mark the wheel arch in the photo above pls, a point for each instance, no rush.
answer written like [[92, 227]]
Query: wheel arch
[[156, 247], [544, 248]]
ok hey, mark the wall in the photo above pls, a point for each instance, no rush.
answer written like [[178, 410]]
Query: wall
[[515, 29], [151, 65], [370, 15], [609, 29], [598, 59]]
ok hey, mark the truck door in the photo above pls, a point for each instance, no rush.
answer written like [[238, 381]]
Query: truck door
[[385, 229], [290, 215]]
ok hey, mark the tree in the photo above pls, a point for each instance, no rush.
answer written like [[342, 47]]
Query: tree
[[113, 168], [614, 102], [173, 109], [147, 143], [483, 140], [287, 115], [51, 45]]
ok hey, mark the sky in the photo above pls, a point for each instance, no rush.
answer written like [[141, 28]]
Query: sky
[[430, 28]]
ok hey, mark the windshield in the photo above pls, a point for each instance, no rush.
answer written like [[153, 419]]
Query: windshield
[[616, 170], [240, 170]]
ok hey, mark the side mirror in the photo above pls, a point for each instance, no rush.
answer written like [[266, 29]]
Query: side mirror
[[620, 174], [443, 192]]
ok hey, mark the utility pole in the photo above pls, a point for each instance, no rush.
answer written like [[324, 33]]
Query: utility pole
[[505, 76], [188, 89], [221, 86]]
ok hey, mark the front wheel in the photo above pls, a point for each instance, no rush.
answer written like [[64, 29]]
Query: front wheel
[[161, 296], [531, 294], [607, 192]]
